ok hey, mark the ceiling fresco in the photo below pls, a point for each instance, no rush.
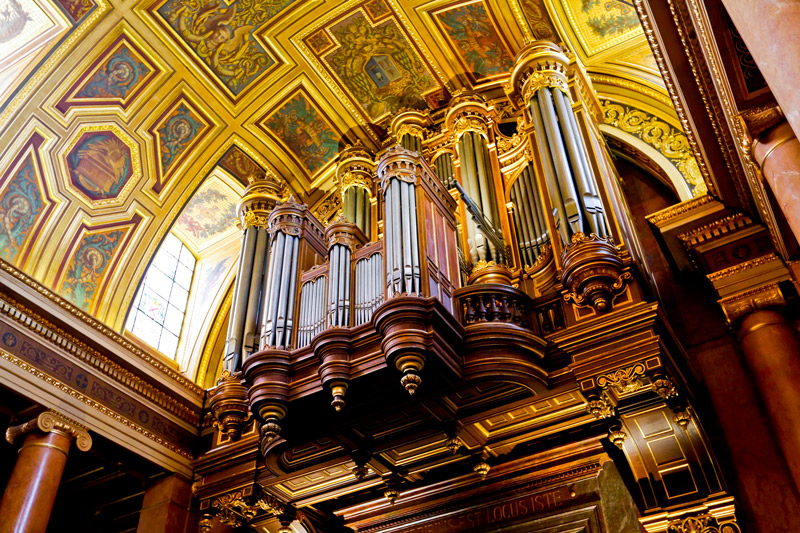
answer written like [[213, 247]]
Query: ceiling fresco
[[121, 120]]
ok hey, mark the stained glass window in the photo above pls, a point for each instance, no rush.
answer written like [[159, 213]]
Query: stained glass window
[[159, 307]]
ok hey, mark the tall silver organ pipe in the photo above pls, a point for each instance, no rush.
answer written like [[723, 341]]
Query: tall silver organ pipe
[[357, 208], [312, 311], [476, 178], [411, 142], [281, 278], [254, 209], [573, 190], [443, 165], [369, 287], [529, 217], [398, 180]]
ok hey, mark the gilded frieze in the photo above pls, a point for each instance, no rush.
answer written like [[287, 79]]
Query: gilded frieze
[[668, 140]]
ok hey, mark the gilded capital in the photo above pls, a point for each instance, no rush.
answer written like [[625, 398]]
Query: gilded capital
[[355, 167], [410, 122], [539, 64], [258, 200], [55, 422], [742, 304], [469, 112], [397, 162]]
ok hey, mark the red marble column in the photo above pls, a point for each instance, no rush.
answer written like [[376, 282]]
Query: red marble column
[[772, 350], [31, 491], [777, 152], [769, 28], [166, 507], [764, 486]]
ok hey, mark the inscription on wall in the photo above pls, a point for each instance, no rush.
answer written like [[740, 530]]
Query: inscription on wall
[[492, 515]]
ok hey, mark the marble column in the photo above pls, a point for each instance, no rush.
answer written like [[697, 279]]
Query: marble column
[[777, 153], [31, 491], [167, 507], [769, 28], [772, 349]]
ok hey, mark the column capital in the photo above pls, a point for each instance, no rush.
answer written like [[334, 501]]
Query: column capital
[[539, 64], [53, 421], [742, 304], [258, 200]]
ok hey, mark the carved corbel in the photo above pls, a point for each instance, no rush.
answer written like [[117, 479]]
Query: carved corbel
[[332, 348], [594, 272], [267, 374], [229, 406]]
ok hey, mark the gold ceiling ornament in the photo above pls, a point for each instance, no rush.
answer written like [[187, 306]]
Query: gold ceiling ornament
[[53, 422], [539, 64], [482, 469], [671, 142], [453, 444], [664, 386], [617, 435]]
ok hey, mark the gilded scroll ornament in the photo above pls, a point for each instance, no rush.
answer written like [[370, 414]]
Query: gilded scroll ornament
[[671, 142], [53, 421], [623, 380]]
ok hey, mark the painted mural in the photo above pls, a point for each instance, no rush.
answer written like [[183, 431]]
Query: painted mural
[[210, 213], [602, 24], [610, 17], [241, 166], [22, 205], [77, 9], [478, 43], [378, 66], [303, 130], [539, 20], [100, 164], [176, 133], [222, 34], [88, 265], [115, 78]]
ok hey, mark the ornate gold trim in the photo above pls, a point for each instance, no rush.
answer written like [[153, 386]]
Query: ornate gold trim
[[93, 404], [741, 267]]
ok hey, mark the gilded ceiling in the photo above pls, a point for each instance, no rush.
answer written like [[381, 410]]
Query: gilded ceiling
[[122, 119]]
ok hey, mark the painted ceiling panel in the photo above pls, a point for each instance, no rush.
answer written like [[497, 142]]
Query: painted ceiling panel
[[140, 103]]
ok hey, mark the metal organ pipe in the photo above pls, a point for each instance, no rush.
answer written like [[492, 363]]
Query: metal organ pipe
[[250, 339], [559, 212], [591, 198], [566, 184], [234, 342]]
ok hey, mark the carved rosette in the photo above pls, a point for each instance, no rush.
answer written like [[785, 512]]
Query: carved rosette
[[258, 200], [398, 163], [539, 64], [53, 422], [594, 272], [229, 405]]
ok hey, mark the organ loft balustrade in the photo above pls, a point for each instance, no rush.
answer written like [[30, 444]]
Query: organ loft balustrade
[[483, 244]]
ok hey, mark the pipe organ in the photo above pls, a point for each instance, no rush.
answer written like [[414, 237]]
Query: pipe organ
[[443, 264]]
